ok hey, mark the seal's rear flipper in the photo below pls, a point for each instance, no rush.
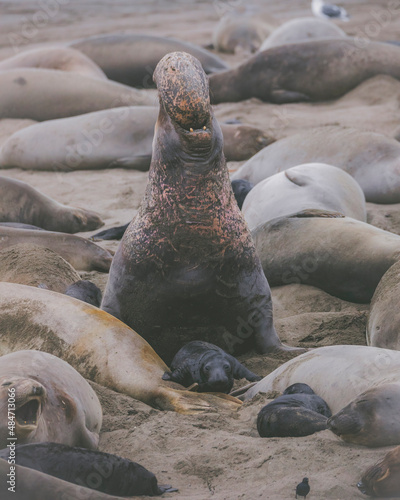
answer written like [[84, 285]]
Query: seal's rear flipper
[[114, 233], [190, 403], [166, 488], [286, 96]]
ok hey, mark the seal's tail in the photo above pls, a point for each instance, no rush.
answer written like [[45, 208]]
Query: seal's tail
[[190, 403]]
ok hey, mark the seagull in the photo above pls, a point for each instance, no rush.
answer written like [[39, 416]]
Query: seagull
[[328, 11], [303, 488]]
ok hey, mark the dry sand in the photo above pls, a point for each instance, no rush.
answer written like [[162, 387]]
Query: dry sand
[[220, 455]]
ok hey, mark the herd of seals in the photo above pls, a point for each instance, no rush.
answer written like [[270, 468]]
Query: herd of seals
[[188, 288]]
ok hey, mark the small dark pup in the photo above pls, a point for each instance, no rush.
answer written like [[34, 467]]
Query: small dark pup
[[209, 366]]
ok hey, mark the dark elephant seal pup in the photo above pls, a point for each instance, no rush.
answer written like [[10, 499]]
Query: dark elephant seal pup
[[313, 185], [383, 479], [99, 346], [86, 291], [299, 71], [121, 477], [131, 59], [342, 256], [46, 94], [20, 202], [298, 412], [383, 326], [208, 366], [52, 401], [59, 58], [360, 384], [302, 30], [187, 262], [377, 172]]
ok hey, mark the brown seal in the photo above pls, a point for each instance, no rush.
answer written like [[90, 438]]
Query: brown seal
[[187, 260], [383, 478]]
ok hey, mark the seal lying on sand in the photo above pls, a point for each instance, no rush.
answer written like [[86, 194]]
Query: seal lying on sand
[[131, 59], [302, 30], [372, 159], [208, 366], [319, 70], [20, 202], [82, 254], [345, 257], [309, 186], [113, 138], [80, 466], [383, 478], [298, 412], [59, 58], [383, 327], [366, 379], [52, 401], [187, 260], [99, 346], [45, 94]]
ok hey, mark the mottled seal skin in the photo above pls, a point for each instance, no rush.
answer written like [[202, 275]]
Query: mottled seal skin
[[99, 346], [58, 58], [360, 385], [298, 412], [310, 186], [81, 253], [241, 189], [121, 476], [383, 479], [46, 94], [302, 30], [131, 59], [86, 291], [53, 402], [371, 158], [187, 260], [208, 366], [318, 70], [20, 202], [342, 256], [383, 326]]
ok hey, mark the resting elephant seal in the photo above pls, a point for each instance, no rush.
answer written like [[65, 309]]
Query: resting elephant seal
[[240, 32], [372, 159], [20, 202], [383, 479], [187, 261], [383, 327], [45, 94], [59, 58], [131, 59], [302, 30], [113, 138], [309, 186], [80, 466], [99, 346], [36, 266], [342, 256], [298, 412], [360, 383], [208, 366], [82, 254], [50, 401], [318, 70]]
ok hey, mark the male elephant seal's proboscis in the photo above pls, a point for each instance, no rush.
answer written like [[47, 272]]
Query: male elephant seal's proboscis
[[99, 346], [52, 401], [361, 384], [187, 261]]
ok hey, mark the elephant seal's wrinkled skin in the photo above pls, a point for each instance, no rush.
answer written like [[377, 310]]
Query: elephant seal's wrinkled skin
[[99, 346], [187, 260], [53, 402]]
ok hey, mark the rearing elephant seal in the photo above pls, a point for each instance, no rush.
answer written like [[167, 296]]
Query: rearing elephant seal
[[50, 401], [187, 260]]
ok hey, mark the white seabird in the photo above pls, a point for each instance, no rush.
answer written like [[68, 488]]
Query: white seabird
[[328, 11]]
